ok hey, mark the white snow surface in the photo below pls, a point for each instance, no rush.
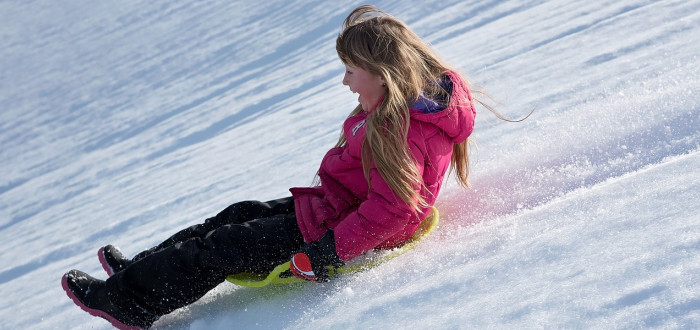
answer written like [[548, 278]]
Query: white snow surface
[[124, 121]]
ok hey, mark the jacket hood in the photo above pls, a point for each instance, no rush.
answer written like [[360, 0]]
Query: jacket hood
[[457, 119]]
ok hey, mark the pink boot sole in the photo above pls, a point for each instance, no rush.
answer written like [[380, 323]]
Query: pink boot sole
[[94, 312], [103, 262]]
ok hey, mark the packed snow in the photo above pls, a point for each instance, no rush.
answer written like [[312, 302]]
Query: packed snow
[[122, 122]]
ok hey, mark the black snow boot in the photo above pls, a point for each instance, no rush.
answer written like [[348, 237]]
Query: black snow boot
[[112, 259], [90, 294]]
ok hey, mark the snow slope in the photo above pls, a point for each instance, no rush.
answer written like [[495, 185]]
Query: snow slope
[[121, 122]]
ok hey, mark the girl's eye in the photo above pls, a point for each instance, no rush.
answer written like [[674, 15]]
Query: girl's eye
[[348, 72]]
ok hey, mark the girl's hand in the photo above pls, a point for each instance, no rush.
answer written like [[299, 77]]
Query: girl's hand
[[311, 262]]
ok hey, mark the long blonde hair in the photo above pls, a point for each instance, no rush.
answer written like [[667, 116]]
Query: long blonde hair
[[383, 45]]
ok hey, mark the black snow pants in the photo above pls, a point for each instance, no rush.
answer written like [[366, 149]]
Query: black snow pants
[[248, 236]]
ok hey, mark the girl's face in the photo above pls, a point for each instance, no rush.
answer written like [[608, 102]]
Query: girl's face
[[367, 84]]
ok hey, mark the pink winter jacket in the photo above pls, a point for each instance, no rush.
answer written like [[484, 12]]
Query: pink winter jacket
[[363, 219]]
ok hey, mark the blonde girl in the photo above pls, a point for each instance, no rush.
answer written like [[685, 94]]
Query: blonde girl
[[375, 186]]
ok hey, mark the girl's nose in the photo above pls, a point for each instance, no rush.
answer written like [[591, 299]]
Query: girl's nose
[[345, 79]]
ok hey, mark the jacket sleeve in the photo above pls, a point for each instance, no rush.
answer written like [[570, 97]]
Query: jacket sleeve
[[378, 218]]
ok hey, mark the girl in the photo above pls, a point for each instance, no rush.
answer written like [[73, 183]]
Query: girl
[[376, 185]]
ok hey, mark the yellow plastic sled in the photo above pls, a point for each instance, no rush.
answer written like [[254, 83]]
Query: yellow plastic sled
[[282, 275]]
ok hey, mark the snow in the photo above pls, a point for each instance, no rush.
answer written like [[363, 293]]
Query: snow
[[124, 122]]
